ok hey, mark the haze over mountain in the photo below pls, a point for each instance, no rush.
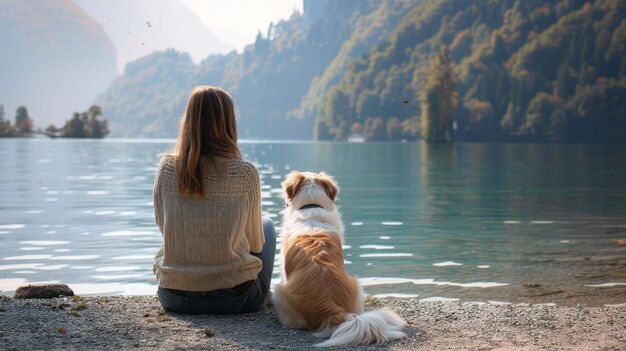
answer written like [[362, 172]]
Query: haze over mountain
[[140, 27], [55, 59]]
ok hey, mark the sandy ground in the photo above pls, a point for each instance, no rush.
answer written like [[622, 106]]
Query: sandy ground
[[93, 323]]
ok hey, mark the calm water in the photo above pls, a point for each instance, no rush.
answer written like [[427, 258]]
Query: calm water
[[476, 222]]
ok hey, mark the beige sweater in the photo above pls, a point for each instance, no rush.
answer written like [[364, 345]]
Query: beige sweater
[[207, 241]]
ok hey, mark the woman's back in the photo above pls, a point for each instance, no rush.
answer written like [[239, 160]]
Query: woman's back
[[218, 252], [208, 239]]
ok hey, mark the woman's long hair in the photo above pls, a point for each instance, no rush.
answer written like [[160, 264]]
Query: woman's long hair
[[208, 129]]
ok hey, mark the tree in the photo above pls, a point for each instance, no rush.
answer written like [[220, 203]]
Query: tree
[[439, 100], [74, 128], [546, 114], [321, 130], [559, 124], [95, 128], [86, 125], [51, 129], [564, 85], [6, 129], [23, 123], [411, 128], [394, 129], [481, 114], [374, 129], [356, 128], [335, 114]]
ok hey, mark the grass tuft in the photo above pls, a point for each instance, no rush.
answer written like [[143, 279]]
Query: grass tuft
[[77, 298], [166, 319], [81, 306], [208, 332], [73, 313]]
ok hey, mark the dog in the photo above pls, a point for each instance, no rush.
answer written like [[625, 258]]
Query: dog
[[316, 292]]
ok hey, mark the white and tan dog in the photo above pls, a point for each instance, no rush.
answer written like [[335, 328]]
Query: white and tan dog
[[316, 292]]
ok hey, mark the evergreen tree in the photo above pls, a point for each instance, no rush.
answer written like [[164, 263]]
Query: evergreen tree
[[6, 129], [439, 101], [564, 85], [23, 123]]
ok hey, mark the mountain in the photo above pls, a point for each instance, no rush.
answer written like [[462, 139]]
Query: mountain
[[525, 70], [55, 59], [267, 80], [140, 27], [148, 99]]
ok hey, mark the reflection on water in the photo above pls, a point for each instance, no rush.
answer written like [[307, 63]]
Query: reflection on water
[[492, 223]]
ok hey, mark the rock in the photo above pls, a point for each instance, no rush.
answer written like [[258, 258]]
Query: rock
[[621, 242], [42, 291]]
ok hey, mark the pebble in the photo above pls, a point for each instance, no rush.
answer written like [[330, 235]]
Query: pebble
[[42, 291]]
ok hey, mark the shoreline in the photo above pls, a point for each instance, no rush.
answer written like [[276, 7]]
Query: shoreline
[[125, 322]]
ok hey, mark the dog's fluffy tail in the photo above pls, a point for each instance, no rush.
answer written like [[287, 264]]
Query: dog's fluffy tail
[[373, 327]]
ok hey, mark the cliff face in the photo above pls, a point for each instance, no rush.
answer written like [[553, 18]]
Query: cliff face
[[55, 59]]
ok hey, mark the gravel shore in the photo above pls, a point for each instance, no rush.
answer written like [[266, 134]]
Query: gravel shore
[[139, 322]]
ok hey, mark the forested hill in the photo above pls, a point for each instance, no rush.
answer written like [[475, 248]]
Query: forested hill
[[526, 70], [268, 80]]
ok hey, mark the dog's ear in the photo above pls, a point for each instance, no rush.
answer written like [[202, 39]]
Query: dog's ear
[[293, 184], [328, 184]]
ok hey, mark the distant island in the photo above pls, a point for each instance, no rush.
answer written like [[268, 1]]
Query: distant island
[[86, 124]]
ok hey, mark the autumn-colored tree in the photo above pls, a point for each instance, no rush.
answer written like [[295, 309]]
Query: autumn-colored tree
[[439, 100]]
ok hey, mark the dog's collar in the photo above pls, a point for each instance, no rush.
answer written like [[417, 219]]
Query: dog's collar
[[310, 206]]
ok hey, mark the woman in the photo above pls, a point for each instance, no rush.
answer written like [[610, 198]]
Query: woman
[[218, 252]]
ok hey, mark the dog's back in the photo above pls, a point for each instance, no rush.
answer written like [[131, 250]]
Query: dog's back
[[318, 286]]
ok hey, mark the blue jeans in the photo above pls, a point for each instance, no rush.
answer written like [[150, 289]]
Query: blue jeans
[[245, 298]]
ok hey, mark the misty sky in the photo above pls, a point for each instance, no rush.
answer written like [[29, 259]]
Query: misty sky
[[237, 22], [198, 27]]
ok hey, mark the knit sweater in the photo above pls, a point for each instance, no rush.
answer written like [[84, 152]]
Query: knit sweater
[[207, 241]]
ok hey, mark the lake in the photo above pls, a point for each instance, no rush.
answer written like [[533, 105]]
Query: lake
[[498, 223]]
